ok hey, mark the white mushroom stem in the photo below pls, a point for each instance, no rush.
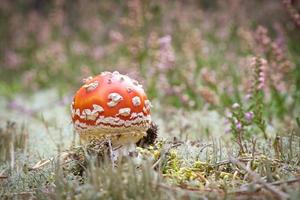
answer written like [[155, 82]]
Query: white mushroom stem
[[123, 150]]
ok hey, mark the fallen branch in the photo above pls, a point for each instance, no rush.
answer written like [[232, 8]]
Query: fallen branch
[[2, 176], [255, 177], [244, 188], [176, 189], [40, 164]]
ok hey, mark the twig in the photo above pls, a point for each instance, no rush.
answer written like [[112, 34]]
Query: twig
[[294, 180], [12, 154], [45, 162], [40, 164], [22, 195], [242, 159], [111, 153], [156, 163], [258, 179], [182, 190], [244, 188], [2, 176], [204, 147]]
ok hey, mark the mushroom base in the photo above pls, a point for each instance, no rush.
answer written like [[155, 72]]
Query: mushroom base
[[121, 136]]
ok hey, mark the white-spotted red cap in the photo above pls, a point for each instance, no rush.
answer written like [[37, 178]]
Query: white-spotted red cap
[[112, 106]]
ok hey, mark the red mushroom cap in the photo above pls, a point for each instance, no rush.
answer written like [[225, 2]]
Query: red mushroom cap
[[111, 106]]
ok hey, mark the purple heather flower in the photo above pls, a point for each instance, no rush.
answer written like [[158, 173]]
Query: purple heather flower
[[166, 56], [227, 129], [261, 79], [166, 40], [249, 116], [226, 121], [238, 125], [229, 114], [65, 100], [14, 105]]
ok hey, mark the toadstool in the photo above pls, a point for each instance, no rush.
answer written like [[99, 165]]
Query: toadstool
[[111, 106]]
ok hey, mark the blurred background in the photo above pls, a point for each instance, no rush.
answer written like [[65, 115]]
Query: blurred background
[[193, 58]]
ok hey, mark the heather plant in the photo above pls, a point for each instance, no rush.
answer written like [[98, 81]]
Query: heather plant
[[292, 11], [256, 96], [244, 116], [278, 72]]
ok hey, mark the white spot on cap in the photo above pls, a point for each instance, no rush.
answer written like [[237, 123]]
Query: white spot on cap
[[148, 104], [135, 115], [72, 111], [136, 101], [105, 73], [80, 124], [77, 112], [97, 108], [135, 82], [91, 86], [86, 80], [144, 109], [116, 73], [87, 111], [90, 115], [124, 112], [115, 99]]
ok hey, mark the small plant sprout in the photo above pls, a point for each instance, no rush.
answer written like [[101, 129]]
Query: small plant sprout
[[111, 107]]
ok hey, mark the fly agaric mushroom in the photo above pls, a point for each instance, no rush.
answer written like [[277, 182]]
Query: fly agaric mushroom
[[111, 106]]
